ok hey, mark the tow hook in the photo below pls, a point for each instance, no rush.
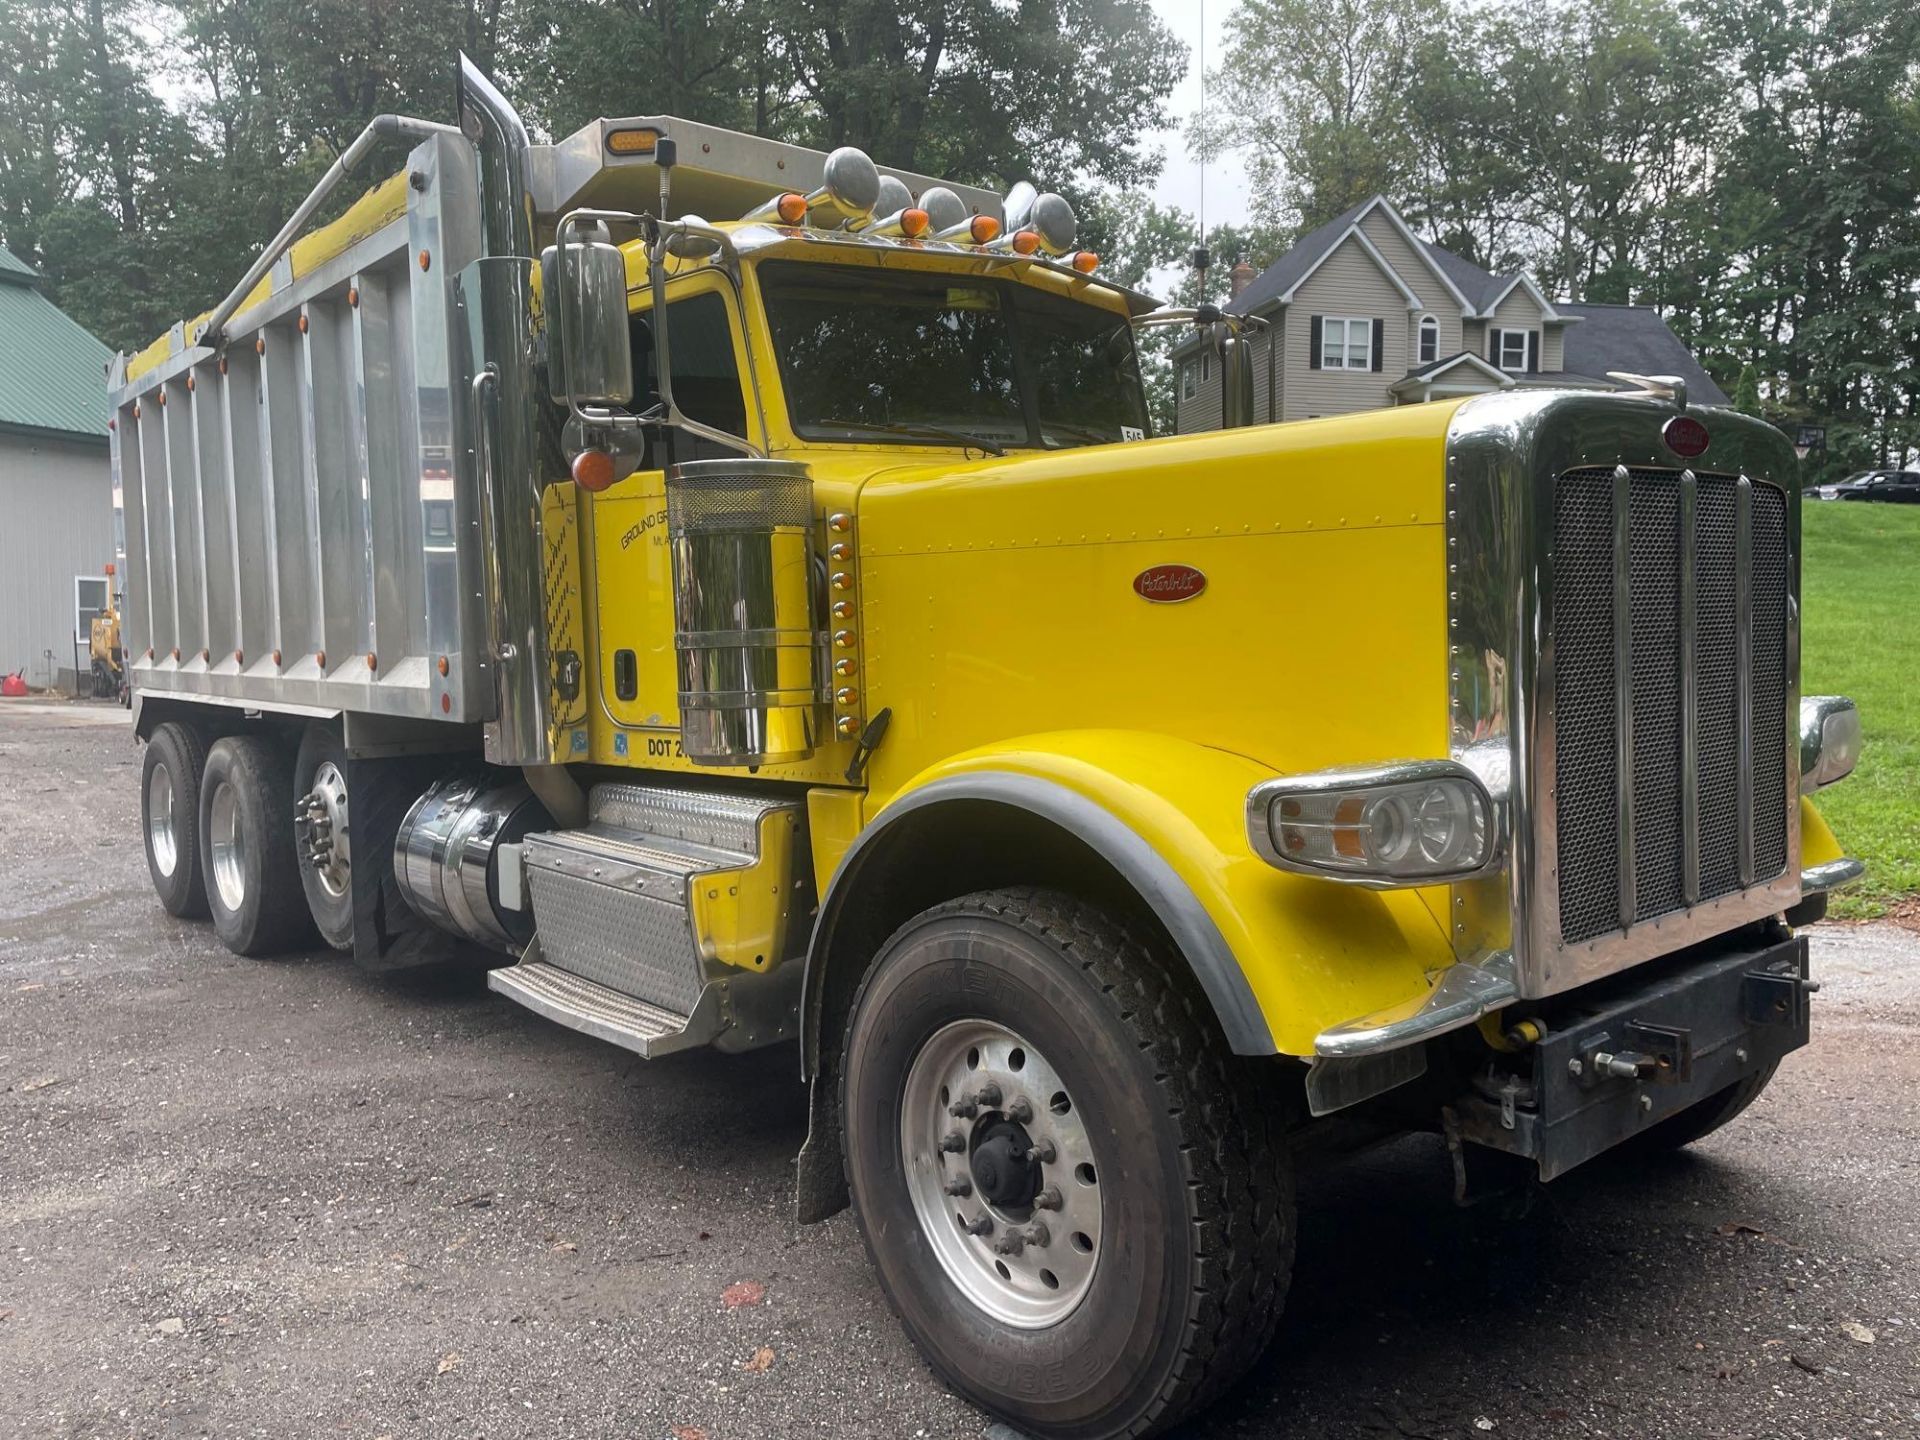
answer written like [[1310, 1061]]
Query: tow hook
[[1659, 1053]]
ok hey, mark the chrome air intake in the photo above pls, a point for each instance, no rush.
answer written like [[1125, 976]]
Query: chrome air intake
[[746, 635]]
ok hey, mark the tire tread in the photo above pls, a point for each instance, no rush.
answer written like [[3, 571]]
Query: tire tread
[[1231, 1143]]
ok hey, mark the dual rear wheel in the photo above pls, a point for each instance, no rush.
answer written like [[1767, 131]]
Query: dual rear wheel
[[223, 840]]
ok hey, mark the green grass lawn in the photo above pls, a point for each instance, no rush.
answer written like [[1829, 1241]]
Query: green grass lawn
[[1860, 636]]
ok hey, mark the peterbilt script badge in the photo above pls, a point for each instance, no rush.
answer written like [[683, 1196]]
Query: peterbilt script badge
[[1169, 584]]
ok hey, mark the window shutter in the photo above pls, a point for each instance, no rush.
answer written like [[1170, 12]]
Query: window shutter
[[1314, 323], [1379, 343], [1493, 347], [1533, 351]]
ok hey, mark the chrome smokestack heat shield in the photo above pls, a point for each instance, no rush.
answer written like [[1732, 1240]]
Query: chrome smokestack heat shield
[[746, 636]]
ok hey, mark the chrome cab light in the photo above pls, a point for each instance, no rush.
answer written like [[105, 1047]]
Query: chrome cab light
[[1829, 740], [1416, 822]]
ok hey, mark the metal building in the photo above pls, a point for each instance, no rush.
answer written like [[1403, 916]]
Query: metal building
[[56, 487]]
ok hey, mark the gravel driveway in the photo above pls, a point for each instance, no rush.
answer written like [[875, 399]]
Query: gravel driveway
[[282, 1199]]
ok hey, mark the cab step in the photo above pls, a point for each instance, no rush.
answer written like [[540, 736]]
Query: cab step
[[661, 913], [599, 1010]]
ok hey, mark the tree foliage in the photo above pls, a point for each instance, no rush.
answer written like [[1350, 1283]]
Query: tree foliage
[[149, 147], [1750, 167]]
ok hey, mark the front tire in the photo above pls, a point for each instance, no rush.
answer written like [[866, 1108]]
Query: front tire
[[246, 847], [170, 817], [1098, 1240]]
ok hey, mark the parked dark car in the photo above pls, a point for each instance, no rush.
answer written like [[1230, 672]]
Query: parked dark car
[[1896, 486]]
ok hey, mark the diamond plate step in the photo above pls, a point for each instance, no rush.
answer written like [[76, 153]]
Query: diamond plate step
[[602, 1011], [666, 889]]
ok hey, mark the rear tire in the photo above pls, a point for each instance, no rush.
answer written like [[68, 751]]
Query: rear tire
[[320, 778], [246, 847], [1169, 1284], [170, 817]]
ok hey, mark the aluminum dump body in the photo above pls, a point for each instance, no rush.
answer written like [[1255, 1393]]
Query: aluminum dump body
[[336, 508], [301, 517]]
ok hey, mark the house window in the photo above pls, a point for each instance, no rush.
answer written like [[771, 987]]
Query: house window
[[1346, 343], [1513, 350], [1189, 379], [1429, 339], [89, 600]]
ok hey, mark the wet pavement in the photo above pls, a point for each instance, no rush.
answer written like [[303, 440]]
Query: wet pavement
[[283, 1199]]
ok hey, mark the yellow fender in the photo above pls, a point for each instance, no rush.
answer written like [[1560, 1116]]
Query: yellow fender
[[1282, 957]]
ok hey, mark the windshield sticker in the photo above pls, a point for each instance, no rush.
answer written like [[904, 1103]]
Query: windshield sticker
[[962, 297], [1132, 432]]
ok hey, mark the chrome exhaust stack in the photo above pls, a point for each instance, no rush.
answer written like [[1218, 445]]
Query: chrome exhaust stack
[[502, 422]]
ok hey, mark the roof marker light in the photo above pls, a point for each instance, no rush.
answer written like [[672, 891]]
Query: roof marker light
[[1085, 261]]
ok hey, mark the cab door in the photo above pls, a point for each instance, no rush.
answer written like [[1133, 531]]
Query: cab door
[[632, 569]]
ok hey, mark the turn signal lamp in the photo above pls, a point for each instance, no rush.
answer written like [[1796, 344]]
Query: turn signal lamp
[[593, 470], [632, 142], [1419, 823], [1085, 261]]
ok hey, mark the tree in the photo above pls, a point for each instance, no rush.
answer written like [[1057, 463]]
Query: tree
[[1315, 96]]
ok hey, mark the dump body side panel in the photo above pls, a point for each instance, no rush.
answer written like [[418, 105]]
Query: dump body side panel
[[302, 525]]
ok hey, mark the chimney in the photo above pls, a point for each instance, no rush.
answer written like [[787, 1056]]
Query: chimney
[[1239, 277]]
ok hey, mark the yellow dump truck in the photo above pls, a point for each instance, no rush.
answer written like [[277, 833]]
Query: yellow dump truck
[[733, 593]]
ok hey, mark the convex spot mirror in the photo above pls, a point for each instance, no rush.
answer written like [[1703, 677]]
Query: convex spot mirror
[[590, 359]]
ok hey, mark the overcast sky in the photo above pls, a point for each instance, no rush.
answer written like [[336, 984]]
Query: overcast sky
[[1180, 179]]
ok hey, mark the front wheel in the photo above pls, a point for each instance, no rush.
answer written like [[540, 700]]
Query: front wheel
[[1077, 1200]]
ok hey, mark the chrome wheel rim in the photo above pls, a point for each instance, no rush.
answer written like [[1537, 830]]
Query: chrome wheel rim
[[329, 846], [227, 846], [160, 833], [1019, 1236]]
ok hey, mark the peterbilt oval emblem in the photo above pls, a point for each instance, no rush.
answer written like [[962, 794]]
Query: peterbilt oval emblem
[[1685, 436], [1167, 584]]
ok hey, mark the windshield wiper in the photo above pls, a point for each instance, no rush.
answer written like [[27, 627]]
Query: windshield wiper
[[1078, 432], [924, 432]]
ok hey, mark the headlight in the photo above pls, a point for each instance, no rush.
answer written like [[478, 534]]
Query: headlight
[[1829, 740], [1415, 823]]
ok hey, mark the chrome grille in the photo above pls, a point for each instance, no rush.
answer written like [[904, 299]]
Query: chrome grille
[[1669, 692]]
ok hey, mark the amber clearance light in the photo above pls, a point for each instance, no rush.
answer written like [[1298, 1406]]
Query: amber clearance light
[[632, 142], [593, 470], [984, 229]]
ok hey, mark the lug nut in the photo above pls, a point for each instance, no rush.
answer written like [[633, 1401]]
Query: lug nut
[[954, 1143], [1011, 1243], [959, 1189], [981, 1226], [988, 1095], [1042, 1153], [963, 1109], [1020, 1111], [1038, 1234], [1047, 1199]]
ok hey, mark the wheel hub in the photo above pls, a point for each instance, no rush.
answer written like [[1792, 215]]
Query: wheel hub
[[1001, 1172], [320, 817]]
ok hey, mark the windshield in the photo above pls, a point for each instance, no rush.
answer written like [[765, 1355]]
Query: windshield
[[949, 359]]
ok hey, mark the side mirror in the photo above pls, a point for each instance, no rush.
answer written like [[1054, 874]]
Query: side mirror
[[1236, 377], [589, 359]]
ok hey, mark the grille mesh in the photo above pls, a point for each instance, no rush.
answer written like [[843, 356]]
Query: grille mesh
[[1586, 705]]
